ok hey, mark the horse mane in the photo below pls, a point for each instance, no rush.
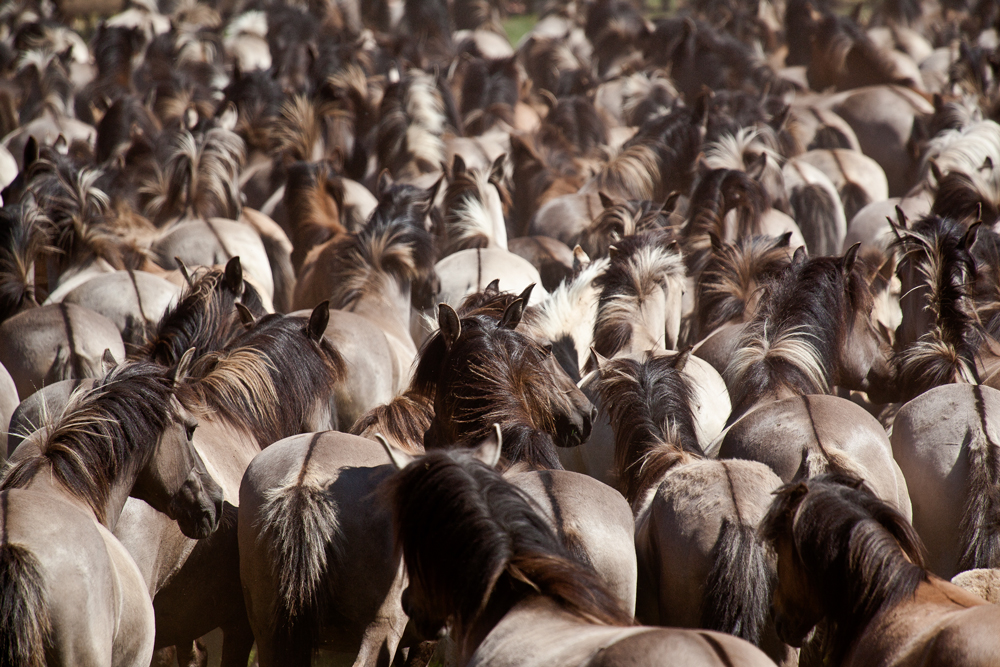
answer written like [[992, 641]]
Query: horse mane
[[266, 379], [860, 554], [314, 199], [578, 121], [966, 197], [412, 118], [618, 220], [45, 83], [937, 246], [467, 219], [203, 318], [298, 132], [403, 420], [394, 244], [963, 150], [635, 173], [201, 177], [845, 57], [104, 431], [795, 336], [491, 375], [24, 235], [649, 404], [645, 96], [489, 91], [642, 264], [732, 277], [500, 548], [258, 99], [677, 138]]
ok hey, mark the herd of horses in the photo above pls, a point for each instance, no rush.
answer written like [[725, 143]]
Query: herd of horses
[[354, 332]]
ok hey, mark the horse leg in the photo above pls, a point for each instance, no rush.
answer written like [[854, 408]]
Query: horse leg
[[237, 642], [164, 657], [191, 654]]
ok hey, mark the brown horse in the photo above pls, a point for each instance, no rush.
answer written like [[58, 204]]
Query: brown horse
[[853, 565], [508, 589], [700, 562], [72, 594]]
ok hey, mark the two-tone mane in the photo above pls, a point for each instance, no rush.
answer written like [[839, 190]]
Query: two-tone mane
[[266, 380], [795, 338], [639, 266], [106, 430], [469, 221], [471, 540], [859, 554], [649, 403]]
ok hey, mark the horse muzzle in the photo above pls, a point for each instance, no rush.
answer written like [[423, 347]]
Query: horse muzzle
[[573, 430], [197, 506]]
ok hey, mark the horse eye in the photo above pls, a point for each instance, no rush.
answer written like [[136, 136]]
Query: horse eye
[[189, 429], [547, 348]]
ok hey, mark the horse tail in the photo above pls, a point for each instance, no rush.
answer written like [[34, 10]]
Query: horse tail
[[816, 215], [737, 595], [24, 618], [301, 525], [829, 136], [854, 198], [980, 527]]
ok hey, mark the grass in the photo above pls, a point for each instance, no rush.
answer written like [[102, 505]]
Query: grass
[[517, 26]]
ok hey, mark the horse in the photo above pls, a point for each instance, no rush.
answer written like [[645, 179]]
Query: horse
[[474, 204], [126, 435], [850, 564], [273, 379], [507, 587], [945, 441], [812, 330], [700, 562], [859, 179]]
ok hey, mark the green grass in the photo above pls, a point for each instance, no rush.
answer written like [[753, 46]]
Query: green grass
[[518, 26]]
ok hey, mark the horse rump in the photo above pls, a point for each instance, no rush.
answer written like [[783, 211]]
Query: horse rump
[[854, 198], [300, 524], [24, 617], [980, 527], [737, 596]]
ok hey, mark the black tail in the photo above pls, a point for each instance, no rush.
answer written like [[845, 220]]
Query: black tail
[[816, 216], [24, 618], [737, 595], [854, 198], [980, 527]]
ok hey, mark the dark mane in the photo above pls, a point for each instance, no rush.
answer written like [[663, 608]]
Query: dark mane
[[618, 220], [649, 403], [490, 375], [266, 379], [859, 553], [732, 276], [937, 247], [403, 420], [578, 121], [106, 431], [795, 337], [314, 201], [24, 233], [844, 57], [641, 265], [489, 91], [959, 197], [468, 538], [204, 318]]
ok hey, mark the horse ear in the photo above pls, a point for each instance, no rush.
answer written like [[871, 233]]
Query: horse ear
[[670, 203], [182, 367], [935, 171], [318, 320], [489, 450], [30, 152], [493, 288], [606, 201], [399, 458], [681, 359], [108, 361], [496, 170], [784, 240], [799, 255], [228, 118], [234, 275], [969, 239], [512, 314], [450, 324], [612, 251], [182, 267], [851, 256], [432, 192], [246, 317], [900, 217], [525, 294], [383, 183], [457, 166], [580, 259], [595, 361], [756, 166]]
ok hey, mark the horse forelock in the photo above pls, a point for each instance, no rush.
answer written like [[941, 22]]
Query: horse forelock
[[860, 554], [106, 431], [466, 203], [570, 308]]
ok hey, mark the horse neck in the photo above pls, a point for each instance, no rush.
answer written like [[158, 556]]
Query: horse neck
[[502, 599], [388, 306]]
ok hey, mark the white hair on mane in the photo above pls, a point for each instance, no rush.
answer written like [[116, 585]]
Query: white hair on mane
[[425, 111], [792, 346], [730, 151], [966, 150], [571, 309], [253, 22]]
